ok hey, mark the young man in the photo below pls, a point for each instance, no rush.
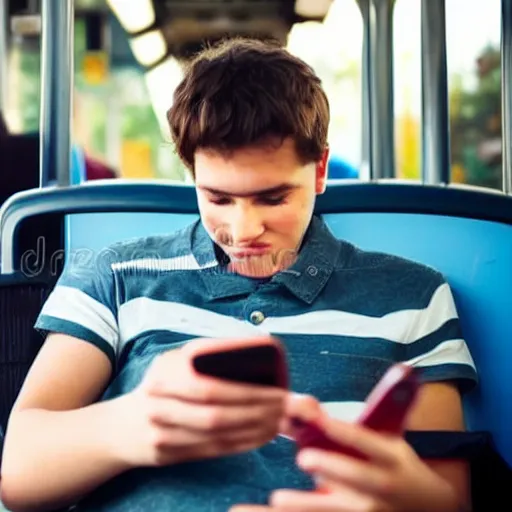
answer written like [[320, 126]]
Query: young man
[[112, 414]]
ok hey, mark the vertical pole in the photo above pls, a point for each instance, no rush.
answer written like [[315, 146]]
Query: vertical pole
[[434, 90], [365, 168], [382, 126], [57, 48], [506, 93]]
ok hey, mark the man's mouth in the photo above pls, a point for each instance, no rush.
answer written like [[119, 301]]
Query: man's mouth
[[248, 252]]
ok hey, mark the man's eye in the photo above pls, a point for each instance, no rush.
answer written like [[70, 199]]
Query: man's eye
[[273, 201], [219, 200]]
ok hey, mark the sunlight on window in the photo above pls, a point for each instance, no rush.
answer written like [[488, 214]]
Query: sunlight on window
[[161, 83], [334, 49]]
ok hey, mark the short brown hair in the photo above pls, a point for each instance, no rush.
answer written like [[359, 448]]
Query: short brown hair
[[244, 92]]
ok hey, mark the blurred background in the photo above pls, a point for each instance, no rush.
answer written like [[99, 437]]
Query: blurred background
[[128, 56]]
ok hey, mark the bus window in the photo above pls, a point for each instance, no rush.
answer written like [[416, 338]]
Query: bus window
[[474, 90]]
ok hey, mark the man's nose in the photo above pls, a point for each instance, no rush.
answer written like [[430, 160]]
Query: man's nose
[[246, 225]]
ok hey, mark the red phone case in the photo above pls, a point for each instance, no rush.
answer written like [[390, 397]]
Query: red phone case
[[385, 411]]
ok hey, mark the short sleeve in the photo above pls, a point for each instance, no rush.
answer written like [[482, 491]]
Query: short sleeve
[[83, 302], [435, 343]]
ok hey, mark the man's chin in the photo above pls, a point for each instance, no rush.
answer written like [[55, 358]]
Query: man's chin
[[252, 269], [261, 267]]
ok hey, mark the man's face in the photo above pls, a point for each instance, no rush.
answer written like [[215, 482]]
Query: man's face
[[257, 202]]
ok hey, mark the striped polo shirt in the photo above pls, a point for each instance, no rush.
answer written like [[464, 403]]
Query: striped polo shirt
[[343, 314]]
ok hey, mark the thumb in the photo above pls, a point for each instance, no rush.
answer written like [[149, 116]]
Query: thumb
[[304, 407]]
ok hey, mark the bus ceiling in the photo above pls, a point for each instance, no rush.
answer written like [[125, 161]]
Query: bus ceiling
[[184, 25]]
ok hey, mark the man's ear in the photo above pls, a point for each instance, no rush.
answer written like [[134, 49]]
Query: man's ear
[[321, 172]]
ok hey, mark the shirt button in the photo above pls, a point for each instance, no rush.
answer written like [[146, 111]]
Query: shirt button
[[257, 317], [312, 271]]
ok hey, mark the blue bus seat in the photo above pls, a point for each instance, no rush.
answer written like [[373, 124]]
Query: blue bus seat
[[463, 232], [112, 227]]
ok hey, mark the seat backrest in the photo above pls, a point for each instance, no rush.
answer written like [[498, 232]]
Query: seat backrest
[[113, 227], [464, 233], [475, 257], [473, 250], [21, 300]]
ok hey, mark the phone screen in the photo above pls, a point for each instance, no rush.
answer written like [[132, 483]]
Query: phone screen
[[263, 365]]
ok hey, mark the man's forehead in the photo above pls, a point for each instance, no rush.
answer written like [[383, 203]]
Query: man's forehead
[[263, 155], [245, 192]]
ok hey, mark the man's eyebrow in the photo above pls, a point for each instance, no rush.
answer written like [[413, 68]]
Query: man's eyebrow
[[285, 187]]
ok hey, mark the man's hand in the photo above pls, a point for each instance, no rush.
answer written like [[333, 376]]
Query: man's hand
[[393, 479], [176, 415]]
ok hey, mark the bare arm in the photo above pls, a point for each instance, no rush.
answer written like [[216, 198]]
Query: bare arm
[[58, 447], [439, 407]]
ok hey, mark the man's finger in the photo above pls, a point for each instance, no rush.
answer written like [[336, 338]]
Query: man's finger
[[303, 407], [344, 499], [347, 471], [211, 418], [375, 446]]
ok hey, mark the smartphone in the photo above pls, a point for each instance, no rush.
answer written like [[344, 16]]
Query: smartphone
[[385, 411], [258, 363]]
